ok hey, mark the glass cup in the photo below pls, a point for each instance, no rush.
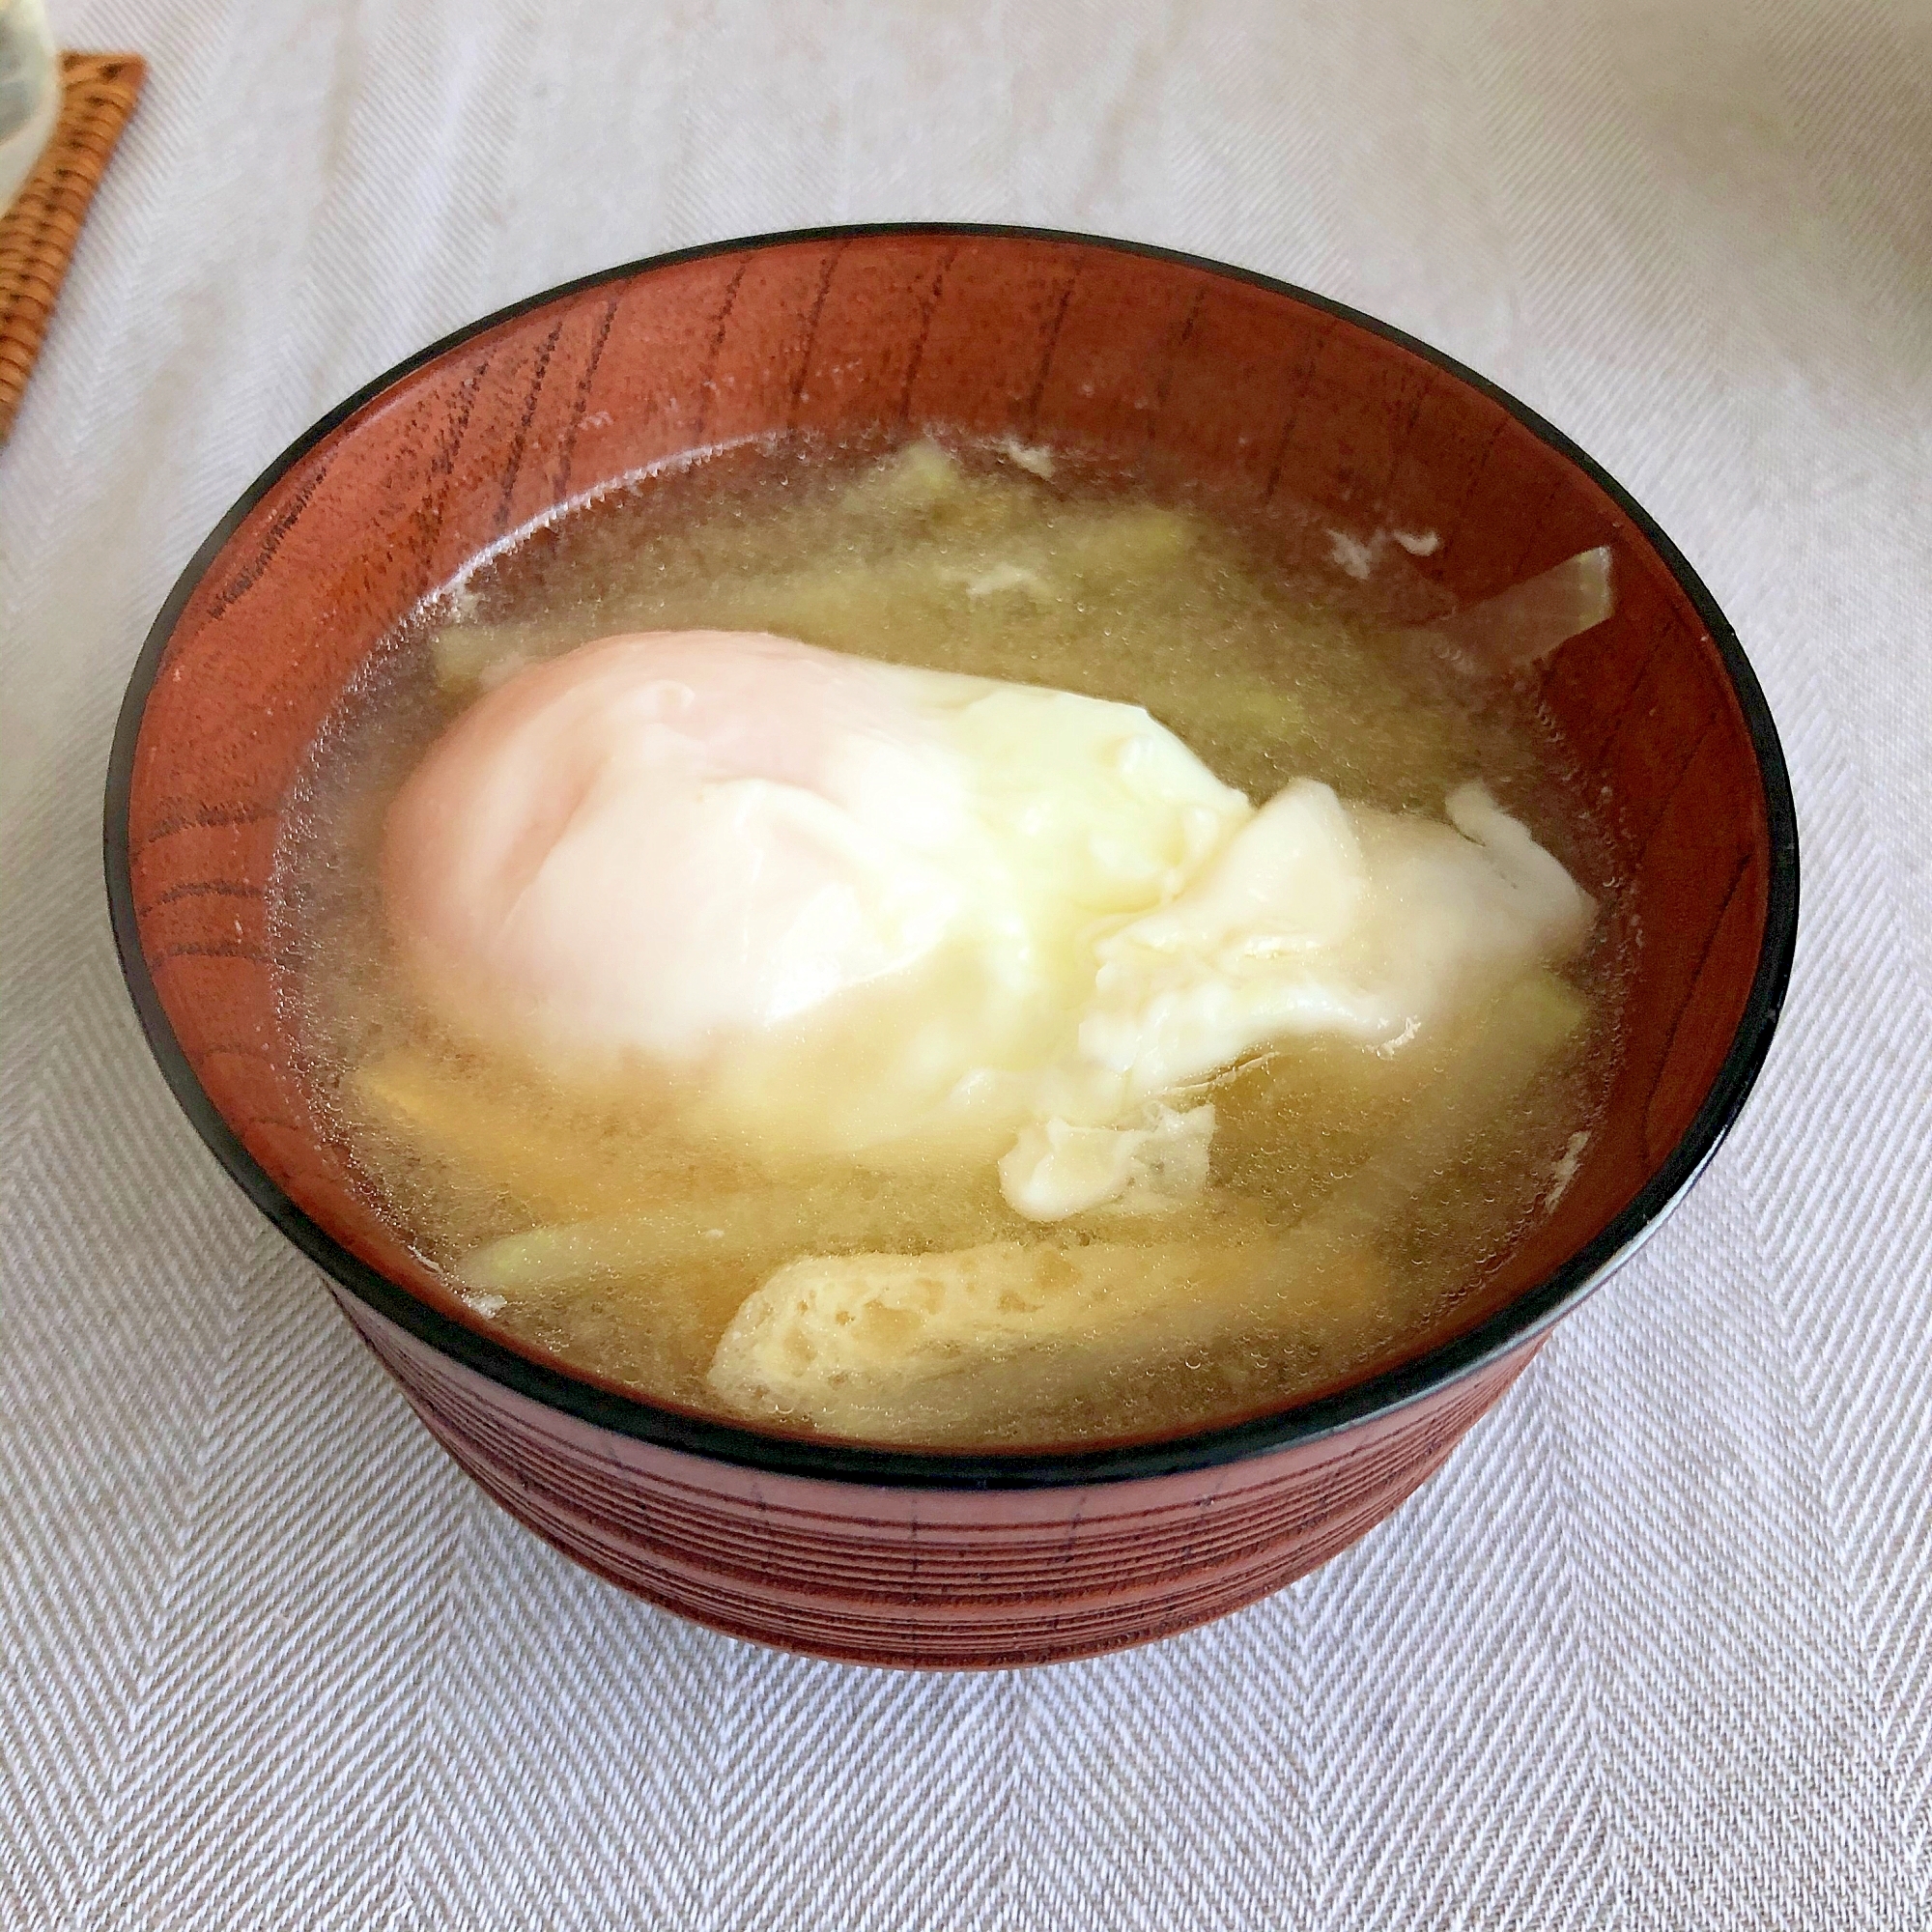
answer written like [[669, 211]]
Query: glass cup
[[29, 92]]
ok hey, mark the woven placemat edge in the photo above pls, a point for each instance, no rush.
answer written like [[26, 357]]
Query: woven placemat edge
[[39, 229]]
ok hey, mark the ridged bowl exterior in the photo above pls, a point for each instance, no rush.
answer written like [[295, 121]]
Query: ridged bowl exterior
[[1171, 366], [929, 1577]]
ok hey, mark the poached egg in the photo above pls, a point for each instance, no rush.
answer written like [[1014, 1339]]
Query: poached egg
[[861, 909]]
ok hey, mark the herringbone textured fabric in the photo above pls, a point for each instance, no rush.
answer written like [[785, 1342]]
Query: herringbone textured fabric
[[1655, 1651]]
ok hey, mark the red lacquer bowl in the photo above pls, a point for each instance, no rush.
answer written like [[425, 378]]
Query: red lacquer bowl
[[905, 1557]]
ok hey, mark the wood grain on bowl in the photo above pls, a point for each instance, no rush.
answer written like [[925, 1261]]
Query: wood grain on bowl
[[925, 1579], [1171, 365]]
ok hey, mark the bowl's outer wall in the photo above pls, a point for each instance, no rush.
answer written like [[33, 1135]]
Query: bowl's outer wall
[[1145, 357], [959, 1579]]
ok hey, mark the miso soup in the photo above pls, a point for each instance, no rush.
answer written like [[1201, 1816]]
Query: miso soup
[[996, 954]]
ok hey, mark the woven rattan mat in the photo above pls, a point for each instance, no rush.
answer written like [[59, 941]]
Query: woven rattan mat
[[37, 233]]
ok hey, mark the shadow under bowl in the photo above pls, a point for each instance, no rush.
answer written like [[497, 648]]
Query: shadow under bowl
[[1158, 362]]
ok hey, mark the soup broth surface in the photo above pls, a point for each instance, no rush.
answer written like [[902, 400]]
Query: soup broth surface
[[1356, 1195]]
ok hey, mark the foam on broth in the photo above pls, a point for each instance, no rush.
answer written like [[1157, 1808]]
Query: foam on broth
[[1356, 1195]]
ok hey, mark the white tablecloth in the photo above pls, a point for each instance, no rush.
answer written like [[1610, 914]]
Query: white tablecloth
[[1656, 1650]]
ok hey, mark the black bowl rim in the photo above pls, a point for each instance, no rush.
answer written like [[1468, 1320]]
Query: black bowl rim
[[1519, 1322]]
